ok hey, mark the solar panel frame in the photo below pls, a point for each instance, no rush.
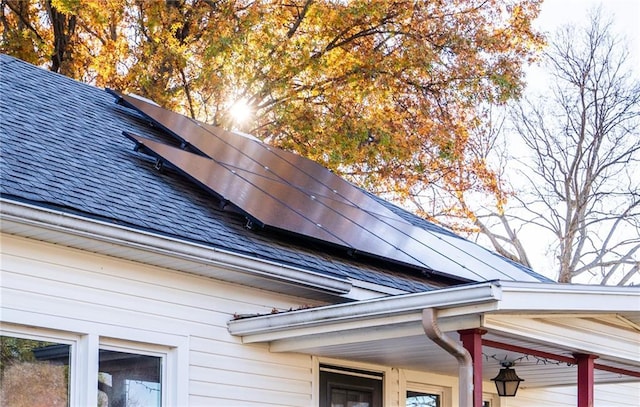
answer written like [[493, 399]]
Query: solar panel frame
[[242, 152], [285, 191], [303, 214]]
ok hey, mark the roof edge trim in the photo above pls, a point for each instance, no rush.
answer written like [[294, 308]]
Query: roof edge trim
[[523, 297], [384, 307], [83, 227]]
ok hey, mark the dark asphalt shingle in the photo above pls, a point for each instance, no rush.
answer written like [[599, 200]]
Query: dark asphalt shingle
[[62, 146]]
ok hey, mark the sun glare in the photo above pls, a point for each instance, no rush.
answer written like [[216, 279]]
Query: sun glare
[[240, 111]]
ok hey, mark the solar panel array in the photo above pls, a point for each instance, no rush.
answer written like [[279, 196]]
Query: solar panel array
[[282, 190]]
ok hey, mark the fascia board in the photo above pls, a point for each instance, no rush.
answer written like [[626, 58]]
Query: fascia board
[[568, 298], [18, 215], [374, 312]]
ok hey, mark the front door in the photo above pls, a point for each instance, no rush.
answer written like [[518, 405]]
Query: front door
[[349, 388]]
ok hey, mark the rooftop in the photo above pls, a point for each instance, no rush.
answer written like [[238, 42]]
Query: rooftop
[[63, 148]]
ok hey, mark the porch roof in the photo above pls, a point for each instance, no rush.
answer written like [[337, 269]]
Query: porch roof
[[544, 319]]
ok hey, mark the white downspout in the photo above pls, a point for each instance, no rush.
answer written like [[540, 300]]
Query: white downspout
[[465, 363]]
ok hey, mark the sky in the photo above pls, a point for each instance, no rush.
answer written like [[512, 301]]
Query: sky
[[625, 15]]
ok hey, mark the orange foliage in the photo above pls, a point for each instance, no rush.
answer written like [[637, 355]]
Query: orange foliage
[[384, 92]]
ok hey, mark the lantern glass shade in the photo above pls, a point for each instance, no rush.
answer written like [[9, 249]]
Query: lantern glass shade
[[507, 382]]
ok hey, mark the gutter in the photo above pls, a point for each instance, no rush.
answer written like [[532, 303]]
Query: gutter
[[325, 319], [65, 224]]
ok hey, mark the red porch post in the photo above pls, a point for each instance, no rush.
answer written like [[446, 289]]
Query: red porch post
[[585, 379], [472, 342]]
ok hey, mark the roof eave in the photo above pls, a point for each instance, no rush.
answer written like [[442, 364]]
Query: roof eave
[[399, 309], [568, 298], [80, 232], [476, 300]]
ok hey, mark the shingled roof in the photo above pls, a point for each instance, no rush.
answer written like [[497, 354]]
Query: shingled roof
[[63, 148]]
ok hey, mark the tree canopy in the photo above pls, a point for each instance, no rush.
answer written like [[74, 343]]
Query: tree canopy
[[388, 93]]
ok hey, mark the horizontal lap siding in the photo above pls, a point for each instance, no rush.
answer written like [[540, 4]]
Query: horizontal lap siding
[[67, 288], [605, 395]]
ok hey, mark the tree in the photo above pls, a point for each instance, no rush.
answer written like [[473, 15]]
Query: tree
[[28, 384], [25, 381], [580, 162], [387, 93]]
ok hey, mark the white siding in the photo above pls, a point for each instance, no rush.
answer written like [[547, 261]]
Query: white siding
[[60, 288], [605, 395]]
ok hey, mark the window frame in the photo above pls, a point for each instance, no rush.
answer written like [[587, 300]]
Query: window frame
[[49, 335], [84, 358], [142, 349], [442, 391]]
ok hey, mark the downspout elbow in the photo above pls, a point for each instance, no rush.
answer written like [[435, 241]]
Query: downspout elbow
[[465, 362]]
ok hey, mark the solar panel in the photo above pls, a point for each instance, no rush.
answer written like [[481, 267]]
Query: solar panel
[[282, 190], [274, 203]]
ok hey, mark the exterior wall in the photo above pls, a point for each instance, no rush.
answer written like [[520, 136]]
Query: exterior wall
[[91, 300], [605, 395], [96, 299]]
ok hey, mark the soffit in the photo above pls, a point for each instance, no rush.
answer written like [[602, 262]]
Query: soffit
[[398, 340], [403, 345]]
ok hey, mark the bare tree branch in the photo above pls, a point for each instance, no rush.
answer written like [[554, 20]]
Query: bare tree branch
[[581, 159]]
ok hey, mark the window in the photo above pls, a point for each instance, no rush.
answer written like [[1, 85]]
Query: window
[[418, 399], [490, 400], [424, 395], [427, 395], [349, 388], [34, 372], [44, 367], [129, 379]]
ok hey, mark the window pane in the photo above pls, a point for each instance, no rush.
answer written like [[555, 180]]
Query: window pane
[[33, 373], [128, 380], [416, 399]]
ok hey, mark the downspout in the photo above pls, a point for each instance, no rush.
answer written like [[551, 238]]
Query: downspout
[[465, 363]]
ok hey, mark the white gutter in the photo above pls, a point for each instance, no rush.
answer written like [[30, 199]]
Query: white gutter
[[315, 320], [17, 215], [465, 362]]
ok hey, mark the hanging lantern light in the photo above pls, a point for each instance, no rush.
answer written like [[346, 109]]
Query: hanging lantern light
[[507, 381]]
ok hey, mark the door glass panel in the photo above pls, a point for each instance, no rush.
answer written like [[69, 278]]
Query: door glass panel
[[351, 389], [350, 398], [33, 373], [129, 380]]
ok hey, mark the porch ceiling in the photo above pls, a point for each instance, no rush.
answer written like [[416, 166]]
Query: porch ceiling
[[397, 339], [419, 353]]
